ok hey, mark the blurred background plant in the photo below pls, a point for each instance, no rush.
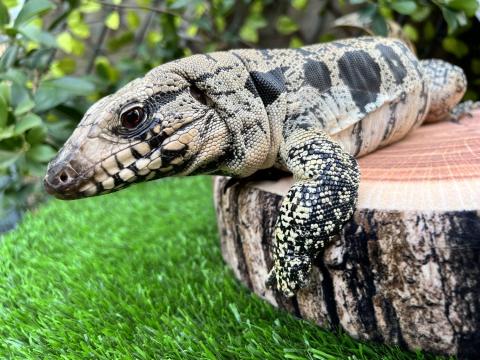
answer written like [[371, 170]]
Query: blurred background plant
[[60, 56]]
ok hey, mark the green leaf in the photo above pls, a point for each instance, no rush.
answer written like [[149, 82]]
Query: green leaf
[[105, 70], [405, 7], [77, 26], [36, 135], [10, 31], [32, 32], [410, 32], [69, 44], [7, 158], [3, 112], [451, 19], [113, 20], [455, 46], [133, 20], [469, 6], [65, 42], [296, 42], [368, 11], [38, 59], [89, 7], [41, 153], [179, 4], [27, 122], [63, 66], [475, 66], [299, 4], [192, 30], [249, 30], [32, 9], [35, 168], [19, 93], [10, 3], [24, 106], [379, 25], [51, 93], [9, 57], [116, 43], [16, 76], [285, 25], [59, 131], [421, 14], [461, 18], [81, 30], [5, 91], [7, 132], [72, 85], [152, 38], [4, 16]]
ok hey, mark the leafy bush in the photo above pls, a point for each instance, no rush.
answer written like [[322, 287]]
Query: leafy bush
[[59, 57], [31, 99]]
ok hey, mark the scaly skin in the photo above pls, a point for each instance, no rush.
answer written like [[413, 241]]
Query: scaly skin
[[310, 111]]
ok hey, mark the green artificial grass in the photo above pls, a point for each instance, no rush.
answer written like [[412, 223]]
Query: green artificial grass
[[138, 275]]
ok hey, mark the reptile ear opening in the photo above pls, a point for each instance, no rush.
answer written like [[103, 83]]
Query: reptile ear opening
[[198, 94]]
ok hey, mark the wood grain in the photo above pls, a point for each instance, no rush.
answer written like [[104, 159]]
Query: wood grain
[[406, 268]]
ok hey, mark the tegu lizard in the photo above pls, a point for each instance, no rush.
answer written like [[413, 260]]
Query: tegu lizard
[[310, 111]]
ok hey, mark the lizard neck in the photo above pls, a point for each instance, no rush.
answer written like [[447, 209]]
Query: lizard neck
[[260, 132], [253, 142]]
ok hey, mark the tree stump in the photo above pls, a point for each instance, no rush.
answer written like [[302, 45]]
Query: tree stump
[[406, 268]]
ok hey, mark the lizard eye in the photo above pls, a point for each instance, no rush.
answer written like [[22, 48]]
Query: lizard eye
[[198, 95], [132, 117]]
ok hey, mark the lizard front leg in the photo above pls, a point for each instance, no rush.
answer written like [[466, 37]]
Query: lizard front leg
[[321, 200]]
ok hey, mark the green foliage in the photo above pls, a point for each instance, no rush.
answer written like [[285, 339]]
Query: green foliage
[[456, 13], [29, 96], [145, 281], [60, 56]]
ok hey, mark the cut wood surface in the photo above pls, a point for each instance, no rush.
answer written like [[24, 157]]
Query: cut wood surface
[[406, 269]]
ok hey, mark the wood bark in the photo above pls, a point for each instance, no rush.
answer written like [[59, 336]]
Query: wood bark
[[406, 268]]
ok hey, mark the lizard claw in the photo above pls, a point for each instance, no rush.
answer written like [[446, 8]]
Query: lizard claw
[[463, 109], [271, 281]]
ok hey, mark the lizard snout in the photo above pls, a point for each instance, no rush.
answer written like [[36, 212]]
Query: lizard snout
[[63, 181]]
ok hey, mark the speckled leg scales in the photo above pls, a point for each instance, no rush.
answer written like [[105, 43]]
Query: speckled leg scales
[[465, 108], [322, 199]]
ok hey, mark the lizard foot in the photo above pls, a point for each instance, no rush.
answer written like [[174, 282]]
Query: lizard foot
[[465, 108], [291, 276], [311, 213]]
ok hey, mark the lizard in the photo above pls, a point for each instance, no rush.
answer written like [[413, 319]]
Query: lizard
[[310, 111]]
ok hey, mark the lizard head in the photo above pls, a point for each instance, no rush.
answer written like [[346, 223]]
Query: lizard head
[[160, 125]]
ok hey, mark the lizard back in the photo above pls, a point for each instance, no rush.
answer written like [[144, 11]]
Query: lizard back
[[360, 91]]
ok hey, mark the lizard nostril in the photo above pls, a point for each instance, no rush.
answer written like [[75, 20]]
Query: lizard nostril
[[63, 176]]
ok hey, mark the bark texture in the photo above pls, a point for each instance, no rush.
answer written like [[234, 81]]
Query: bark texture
[[400, 276]]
